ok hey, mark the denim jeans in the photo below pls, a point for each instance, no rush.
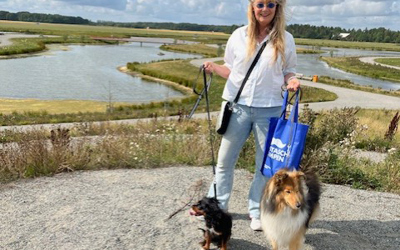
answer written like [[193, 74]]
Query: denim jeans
[[243, 121]]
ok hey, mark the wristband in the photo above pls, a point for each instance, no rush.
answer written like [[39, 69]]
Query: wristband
[[290, 78]]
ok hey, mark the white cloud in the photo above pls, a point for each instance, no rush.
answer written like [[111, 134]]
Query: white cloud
[[112, 4], [342, 13]]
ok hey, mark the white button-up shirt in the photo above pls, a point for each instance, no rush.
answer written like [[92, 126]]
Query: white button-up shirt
[[263, 88]]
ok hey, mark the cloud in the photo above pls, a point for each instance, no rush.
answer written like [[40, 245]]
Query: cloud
[[347, 13], [112, 4], [341, 13]]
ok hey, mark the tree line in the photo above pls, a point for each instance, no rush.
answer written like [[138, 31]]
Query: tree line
[[172, 26], [381, 35], [25, 16]]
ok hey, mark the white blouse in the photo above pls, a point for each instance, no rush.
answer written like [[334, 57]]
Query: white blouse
[[263, 88]]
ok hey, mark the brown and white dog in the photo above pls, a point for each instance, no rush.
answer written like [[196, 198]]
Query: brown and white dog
[[290, 202]]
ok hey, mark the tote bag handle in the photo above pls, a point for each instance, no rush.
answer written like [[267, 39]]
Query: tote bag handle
[[294, 114]]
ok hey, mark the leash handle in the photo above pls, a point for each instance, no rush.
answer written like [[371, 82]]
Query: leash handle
[[202, 93]]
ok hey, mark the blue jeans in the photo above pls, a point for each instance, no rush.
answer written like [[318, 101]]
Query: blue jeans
[[243, 121]]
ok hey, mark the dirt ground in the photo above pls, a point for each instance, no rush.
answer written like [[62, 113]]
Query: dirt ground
[[128, 209]]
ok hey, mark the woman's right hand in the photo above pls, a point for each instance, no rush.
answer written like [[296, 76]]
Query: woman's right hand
[[221, 70], [209, 67]]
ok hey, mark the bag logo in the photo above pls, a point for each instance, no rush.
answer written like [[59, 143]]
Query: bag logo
[[277, 150], [278, 143]]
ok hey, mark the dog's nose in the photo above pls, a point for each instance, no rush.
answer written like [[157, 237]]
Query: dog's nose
[[298, 204]]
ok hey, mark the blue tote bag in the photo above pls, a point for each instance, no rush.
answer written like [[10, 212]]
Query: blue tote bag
[[285, 140]]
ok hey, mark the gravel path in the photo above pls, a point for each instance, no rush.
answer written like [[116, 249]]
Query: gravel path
[[5, 39], [371, 60], [127, 209]]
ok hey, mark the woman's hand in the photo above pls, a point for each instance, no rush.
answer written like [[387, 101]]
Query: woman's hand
[[221, 70], [293, 84], [209, 67]]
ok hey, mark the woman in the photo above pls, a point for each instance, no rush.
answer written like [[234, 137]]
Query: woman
[[261, 97]]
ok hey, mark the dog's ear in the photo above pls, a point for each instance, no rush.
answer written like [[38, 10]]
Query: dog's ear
[[300, 175], [280, 176]]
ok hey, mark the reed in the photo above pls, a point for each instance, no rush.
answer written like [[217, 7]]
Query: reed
[[161, 143]]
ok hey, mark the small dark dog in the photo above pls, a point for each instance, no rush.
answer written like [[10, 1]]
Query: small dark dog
[[218, 222]]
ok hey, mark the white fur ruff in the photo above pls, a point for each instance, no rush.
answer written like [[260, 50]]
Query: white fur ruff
[[283, 226]]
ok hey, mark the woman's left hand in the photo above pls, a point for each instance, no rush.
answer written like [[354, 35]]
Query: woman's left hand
[[293, 84]]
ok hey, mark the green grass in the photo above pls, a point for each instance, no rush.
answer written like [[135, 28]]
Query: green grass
[[107, 31], [389, 61], [32, 45], [354, 65], [202, 49], [8, 106], [346, 44]]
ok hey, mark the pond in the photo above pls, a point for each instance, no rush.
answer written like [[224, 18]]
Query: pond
[[309, 65], [90, 73], [85, 73]]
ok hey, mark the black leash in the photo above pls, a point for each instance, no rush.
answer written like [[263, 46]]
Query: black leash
[[207, 85], [204, 92]]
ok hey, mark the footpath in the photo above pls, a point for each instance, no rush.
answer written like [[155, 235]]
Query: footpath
[[127, 209]]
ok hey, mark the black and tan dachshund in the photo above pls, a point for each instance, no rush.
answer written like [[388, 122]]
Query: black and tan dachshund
[[218, 222]]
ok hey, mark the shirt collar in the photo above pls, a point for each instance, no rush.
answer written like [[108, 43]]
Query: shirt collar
[[265, 39]]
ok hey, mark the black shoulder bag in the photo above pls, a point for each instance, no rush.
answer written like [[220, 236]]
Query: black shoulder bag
[[227, 106]]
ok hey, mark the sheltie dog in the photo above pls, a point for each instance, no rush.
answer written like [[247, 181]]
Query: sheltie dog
[[218, 222], [290, 202]]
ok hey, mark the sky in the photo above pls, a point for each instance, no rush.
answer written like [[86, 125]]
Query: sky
[[357, 14]]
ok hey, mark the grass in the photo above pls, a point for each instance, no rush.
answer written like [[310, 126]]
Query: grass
[[8, 106], [354, 65], [377, 123], [32, 45], [107, 31], [389, 61], [308, 51], [348, 44], [161, 143], [202, 49]]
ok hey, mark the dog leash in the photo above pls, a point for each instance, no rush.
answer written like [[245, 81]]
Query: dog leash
[[204, 92], [201, 94]]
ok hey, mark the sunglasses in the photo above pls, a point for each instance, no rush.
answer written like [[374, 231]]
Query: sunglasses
[[269, 5]]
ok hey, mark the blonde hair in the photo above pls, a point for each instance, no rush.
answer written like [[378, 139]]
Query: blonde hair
[[277, 32]]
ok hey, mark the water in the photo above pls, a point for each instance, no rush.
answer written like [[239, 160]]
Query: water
[[90, 73], [85, 73], [309, 64]]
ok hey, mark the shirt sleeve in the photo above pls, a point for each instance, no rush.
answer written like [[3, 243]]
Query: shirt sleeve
[[290, 56], [229, 52]]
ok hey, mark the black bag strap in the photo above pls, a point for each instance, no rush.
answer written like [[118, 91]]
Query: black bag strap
[[253, 64]]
